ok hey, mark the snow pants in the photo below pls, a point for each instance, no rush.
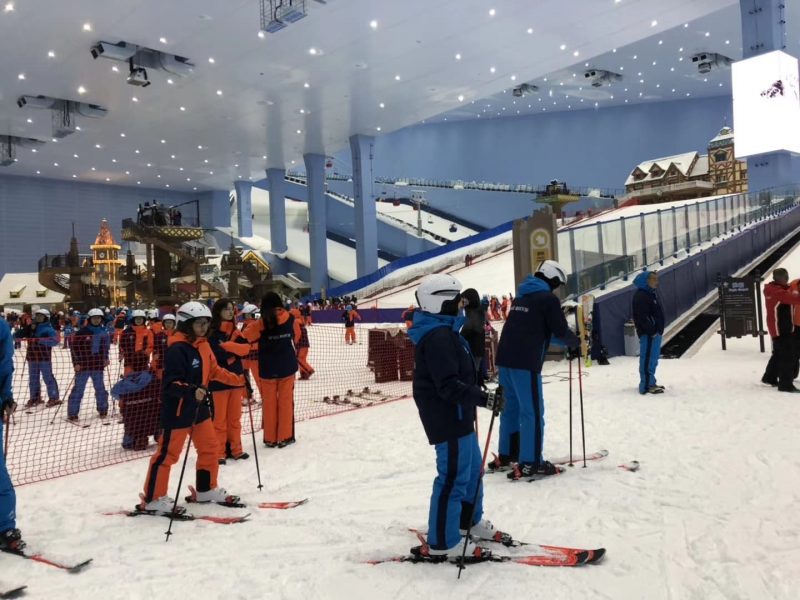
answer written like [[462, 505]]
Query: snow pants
[[306, 370], [170, 447], [523, 414], [228, 420], [350, 335], [780, 368], [277, 397], [45, 369], [8, 499], [649, 351], [458, 470], [76, 395]]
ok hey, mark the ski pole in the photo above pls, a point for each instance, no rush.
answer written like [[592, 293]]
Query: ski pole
[[8, 434], [475, 497], [205, 399], [255, 446], [113, 399], [66, 395], [580, 391], [570, 413]]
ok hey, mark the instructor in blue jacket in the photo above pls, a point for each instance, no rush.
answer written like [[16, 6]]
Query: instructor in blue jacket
[[649, 320], [534, 318], [10, 537]]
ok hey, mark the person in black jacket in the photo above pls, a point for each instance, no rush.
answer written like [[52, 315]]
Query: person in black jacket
[[533, 319], [474, 329], [446, 394], [649, 320]]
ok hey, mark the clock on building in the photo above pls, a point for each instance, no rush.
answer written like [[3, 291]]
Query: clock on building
[[101, 255]]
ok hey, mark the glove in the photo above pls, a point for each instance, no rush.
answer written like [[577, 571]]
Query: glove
[[573, 353], [495, 400], [5, 387], [8, 408]]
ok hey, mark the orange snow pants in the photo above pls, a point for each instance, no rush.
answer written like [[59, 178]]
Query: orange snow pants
[[170, 446], [306, 370], [277, 397], [228, 420], [350, 335]]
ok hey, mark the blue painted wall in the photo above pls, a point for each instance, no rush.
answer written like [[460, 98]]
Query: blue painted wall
[[36, 216], [596, 148]]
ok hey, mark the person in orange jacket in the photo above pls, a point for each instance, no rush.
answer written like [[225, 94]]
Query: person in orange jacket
[[229, 347], [303, 345], [350, 316], [189, 368], [250, 362], [277, 334], [160, 342], [494, 309], [305, 309], [136, 344], [504, 306], [408, 316]]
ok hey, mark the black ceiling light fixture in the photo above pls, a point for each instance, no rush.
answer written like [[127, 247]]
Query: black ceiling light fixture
[[141, 58]]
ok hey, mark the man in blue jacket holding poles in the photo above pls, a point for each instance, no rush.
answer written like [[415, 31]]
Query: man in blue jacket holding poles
[[649, 320]]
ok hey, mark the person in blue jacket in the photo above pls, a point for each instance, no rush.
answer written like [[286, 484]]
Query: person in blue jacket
[[534, 318], [446, 392], [41, 338], [649, 320], [90, 347], [10, 536]]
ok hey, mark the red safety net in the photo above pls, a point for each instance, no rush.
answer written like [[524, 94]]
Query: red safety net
[[43, 443]]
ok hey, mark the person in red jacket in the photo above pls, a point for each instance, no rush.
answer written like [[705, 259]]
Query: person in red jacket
[[780, 304]]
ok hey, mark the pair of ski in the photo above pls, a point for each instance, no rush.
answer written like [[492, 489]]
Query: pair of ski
[[137, 512], [561, 462], [542, 556], [40, 558]]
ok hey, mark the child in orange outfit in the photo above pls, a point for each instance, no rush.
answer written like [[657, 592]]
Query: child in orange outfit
[[189, 367], [136, 344], [349, 316], [229, 347], [277, 334]]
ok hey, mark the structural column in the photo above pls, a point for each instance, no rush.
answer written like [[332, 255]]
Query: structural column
[[244, 208], [277, 210], [764, 30], [317, 221], [361, 147]]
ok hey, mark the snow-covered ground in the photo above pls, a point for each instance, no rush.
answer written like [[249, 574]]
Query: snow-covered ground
[[711, 514]]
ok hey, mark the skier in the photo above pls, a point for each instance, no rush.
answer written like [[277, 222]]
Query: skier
[[474, 329], [534, 317], [446, 394], [303, 346], [780, 305], [136, 344], [649, 320], [90, 347], [349, 316], [10, 536], [505, 304], [277, 334], [160, 341], [41, 338], [229, 346], [189, 367]]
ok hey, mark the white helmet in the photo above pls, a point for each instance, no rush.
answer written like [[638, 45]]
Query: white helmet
[[249, 308], [95, 312], [44, 312], [138, 313], [193, 310], [152, 313], [168, 317], [435, 290], [552, 270]]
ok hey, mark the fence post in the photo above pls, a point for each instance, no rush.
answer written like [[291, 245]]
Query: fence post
[[674, 232], [602, 254], [708, 219], [660, 238], [686, 222], [716, 215], [624, 239], [644, 245], [574, 258]]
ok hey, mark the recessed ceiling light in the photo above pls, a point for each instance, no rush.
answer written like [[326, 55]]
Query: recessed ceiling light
[[169, 81], [219, 92], [81, 90], [576, 53], [188, 179], [458, 56], [397, 77], [680, 49], [653, 23], [29, 120], [660, 42], [460, 97], [38, 172], [654, 63], [74, 176], [108, 179], [513, 78], [51, 54], [211, 60], [87, 26], [635, 57], [113, 160], [172, 156], [9, 7], [183, 109], [205, 161], [685, 25], [492, 12], [21, 76], [98, 146], [115, 68], [163, 40], [75, 156], [158, 176], [163, 141], [94, 169], [492, 69], [614, 50], [264, 157], [211, 172], [314, 51], [34, 150], [530, 30], [127, 172], [299, 131], [708, 33], [194, 188], [149, 164], [373, 24], [562, 47], [166, 185], [55, 164], [121, 135], [138, 183], [134, 99], [136, 151], [180, 169], [262, 34], [305, 85], [377, 128]]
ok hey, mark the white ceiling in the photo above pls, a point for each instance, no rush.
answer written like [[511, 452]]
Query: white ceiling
[[262, 81]]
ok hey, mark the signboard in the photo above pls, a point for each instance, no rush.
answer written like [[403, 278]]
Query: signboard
[[740, 309], [534, 241], [541, 246]]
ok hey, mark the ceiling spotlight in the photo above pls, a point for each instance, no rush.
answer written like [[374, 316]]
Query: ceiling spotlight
[[562, 47], [149, 164], [138, 183], [55, 164], [163, 40], [530, 30], [127, 172], [114, 160], [205, 161], [492, 12], [136, 151], [219, 92], [87, 26], [458, 56], [377, 128], [163, 141], [121, 135], [51, 54], [460, 97], [299, 131], [492, 69], [314, 51], [94, 169], [305, 85], [180, 169], [98, 146], [169, 81], [373, 24], [513, 78], [9, 7], [74, 176], [262, 34], [211, 60], [74, 156], [211, 172], [653, 23], [382, 105], [29, 120], [81, 90], [172, 156], [183, 109], [134, 99], [21, 76], [397, 77]]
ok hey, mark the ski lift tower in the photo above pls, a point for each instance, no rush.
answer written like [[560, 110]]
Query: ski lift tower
[[418, 201]]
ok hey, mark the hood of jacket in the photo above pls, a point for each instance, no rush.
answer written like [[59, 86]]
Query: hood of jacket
[[424, 323], [532, 284], [640, 282]]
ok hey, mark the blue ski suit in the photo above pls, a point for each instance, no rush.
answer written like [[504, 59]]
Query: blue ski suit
[[649, 320], [8, 499]]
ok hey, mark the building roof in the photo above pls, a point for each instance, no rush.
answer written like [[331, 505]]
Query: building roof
[[104, 237], [24, 288], [726, 133], [683, 162], [700, 167]]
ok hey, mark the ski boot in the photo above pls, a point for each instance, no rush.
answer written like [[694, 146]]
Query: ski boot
[[217, 495], [159, 506], [11, 541], [474, 553], [284, 443], [499, 463], [484, 530], [531, 470], [53, 402]]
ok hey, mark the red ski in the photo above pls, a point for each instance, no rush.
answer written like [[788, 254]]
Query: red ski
[[183, 516], [283, 505], [76, 568]]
